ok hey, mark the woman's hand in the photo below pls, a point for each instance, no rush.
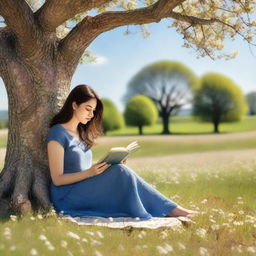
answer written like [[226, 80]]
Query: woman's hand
[[124, 161], [98, 168]]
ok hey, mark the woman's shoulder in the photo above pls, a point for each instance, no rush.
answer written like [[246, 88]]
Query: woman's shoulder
[[57, 133]]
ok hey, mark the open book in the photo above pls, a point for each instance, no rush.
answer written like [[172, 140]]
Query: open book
[[117, 154]]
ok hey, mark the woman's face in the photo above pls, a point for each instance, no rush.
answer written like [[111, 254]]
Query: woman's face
[[85, 111]]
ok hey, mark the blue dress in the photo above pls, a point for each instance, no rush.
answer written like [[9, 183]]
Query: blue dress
[[116, 192]]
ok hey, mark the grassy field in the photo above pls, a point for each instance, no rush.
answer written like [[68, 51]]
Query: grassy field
[[187, 125], [215, 174], [222, 186]]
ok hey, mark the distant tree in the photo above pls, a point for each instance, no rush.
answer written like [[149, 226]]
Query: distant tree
[[218, 100], [168, 84], [140, 111], [251, 101], [112, 118]]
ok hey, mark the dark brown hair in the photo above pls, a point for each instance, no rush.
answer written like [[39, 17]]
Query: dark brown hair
[[90, 131]]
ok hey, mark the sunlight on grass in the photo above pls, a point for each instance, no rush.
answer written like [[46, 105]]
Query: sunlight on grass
[[224, 191]]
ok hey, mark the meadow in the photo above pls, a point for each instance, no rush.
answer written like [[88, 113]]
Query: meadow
[[188, 125], [215, 174]]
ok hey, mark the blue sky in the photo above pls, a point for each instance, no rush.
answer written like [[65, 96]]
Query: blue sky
[[122, 56]]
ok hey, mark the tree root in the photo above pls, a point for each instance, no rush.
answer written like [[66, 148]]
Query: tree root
[[26, 191]]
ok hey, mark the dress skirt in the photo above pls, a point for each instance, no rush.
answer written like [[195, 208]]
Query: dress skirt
[[116, 192]]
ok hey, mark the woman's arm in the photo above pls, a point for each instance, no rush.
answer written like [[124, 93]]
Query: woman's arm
[[56, 165]]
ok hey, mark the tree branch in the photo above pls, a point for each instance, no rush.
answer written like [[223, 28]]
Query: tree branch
[[65, 10], [89, 28], [191, 19], [19, 18]]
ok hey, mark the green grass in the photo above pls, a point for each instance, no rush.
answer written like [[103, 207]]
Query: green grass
[[226, 196], [3, 141], [221, 185], [169, 145], [187, 125]]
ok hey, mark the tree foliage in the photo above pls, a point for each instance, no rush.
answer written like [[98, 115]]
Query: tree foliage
[[218, 100], [169, 84], [251, 101], [112, 118], [204, 25], [140, 111]]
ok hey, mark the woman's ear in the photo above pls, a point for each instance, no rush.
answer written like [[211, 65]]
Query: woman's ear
[[74, 105]]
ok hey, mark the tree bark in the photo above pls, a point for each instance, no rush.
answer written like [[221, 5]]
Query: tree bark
[[140, 130], [35, 89], [165, 120], [216, 127]]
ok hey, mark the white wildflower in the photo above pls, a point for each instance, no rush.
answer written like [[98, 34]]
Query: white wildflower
[[238, 223], [33, 251], [201, 232], [97, 253], [70, 253], [204, 201], [241, 212], [7, 233], [161, 250], [221, 212], [95, 242], [42, 237], [251, 249], [85, 240], [63, 243], [181, 246], [89, 233], [39, 216], [73, 235], [239, 198], [168, 247], [51, 247], [140, 236], [13, 217], [164, 234], [215, 227], [203, 251], [100, 234], [32, 218]]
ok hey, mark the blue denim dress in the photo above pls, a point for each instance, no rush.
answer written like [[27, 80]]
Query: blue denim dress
[[116, 192]]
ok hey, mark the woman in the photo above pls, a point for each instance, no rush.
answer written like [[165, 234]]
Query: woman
[[79, 188]]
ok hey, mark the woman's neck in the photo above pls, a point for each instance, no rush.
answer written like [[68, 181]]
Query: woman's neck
[[71, 126]]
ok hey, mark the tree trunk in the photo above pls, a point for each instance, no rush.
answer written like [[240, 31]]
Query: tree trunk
[[36, 91], [216, 127], [140, 130], [165, 119]]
